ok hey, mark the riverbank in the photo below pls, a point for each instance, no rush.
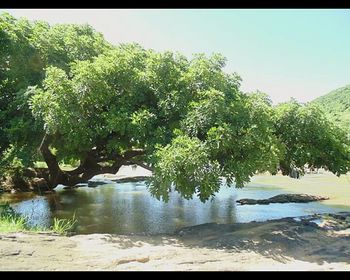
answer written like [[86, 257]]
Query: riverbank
[[32, 184], [284, 244]]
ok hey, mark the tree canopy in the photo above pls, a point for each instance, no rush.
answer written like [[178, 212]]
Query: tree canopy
[[186, 119], [26, 49], [310, 138]]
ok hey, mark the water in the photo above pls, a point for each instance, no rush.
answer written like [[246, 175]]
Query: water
[[126, 208]]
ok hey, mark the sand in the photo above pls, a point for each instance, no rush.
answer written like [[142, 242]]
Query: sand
[[283, 244]]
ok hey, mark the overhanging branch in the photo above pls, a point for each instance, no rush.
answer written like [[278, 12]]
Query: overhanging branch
[[139, 163]]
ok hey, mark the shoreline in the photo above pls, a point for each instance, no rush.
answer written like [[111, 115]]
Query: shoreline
[[315, 242], [321, 184], [308, 243]]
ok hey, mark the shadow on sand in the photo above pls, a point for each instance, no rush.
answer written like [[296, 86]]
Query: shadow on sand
[[280, 240]]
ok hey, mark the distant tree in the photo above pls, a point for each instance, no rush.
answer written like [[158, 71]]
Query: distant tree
[[309, 138]]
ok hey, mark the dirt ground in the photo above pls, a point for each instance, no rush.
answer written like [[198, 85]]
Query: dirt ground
[[284, 244]]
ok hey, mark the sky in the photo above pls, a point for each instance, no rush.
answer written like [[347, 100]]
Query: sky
[[285, 53]]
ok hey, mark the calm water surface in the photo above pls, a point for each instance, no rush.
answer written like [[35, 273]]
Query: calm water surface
[[126, 208]]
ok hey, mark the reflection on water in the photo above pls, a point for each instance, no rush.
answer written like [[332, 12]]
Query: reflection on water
[[129, 208]]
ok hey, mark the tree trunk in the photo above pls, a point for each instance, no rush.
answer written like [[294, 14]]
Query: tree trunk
[[290, 170], [55, 173], [285, 168], [87, 169]]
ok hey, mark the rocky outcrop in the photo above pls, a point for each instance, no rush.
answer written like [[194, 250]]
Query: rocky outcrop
[[283, 198], [39, 184], [24, 184], [131, 179], [117, 179], [96, 183]]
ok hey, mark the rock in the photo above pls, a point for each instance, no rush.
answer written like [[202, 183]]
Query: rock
[[14, 184], [72, 187], [250, 201], [123, 261], [283, 198], [11, 236], [49, 192], [9, 252], [94, 184], [39, 184], [30, 172], [130, 179], [110, 179], [345, 216]]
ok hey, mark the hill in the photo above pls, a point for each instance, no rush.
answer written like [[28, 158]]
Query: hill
[[336, 104]]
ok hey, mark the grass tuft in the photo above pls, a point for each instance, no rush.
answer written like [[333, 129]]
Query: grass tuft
[[11, 221], [64, 226]]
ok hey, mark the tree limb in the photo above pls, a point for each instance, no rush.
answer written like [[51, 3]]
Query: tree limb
[[139, 163]]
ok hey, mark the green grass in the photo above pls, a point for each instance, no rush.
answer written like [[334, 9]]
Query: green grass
[[67, 167], [63, 226], [40, 164], [12, 224], [11, 221], [63, 166]]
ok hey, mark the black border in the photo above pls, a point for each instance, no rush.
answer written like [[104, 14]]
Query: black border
[[171, 4]]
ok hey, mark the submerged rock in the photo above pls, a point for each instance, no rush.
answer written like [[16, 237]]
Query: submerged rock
[[96, 183], [111, 178], [283, 198], [130, 179]]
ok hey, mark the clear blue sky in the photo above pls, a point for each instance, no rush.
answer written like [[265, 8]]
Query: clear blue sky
[[285, 53]]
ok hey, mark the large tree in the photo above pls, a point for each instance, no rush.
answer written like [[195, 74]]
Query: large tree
[[26, 49], [185, 119]]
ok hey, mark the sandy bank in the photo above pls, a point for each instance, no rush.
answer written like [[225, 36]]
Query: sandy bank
[[284, 244]]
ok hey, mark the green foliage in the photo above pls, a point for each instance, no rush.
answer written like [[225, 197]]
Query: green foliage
[[14, 159], [64, 226], [186, 164], [336, 105], [12, 224], [10, 220], [245, 142], [189, 117], [26, 49], [130, 98], [7, 211], [310, 138]]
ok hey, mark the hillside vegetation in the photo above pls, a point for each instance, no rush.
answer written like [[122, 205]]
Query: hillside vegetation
[[336, 105]]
